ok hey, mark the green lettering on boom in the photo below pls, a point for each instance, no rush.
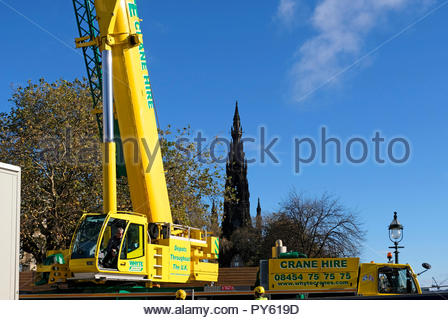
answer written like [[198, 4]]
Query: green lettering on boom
[[137, 28], [141, 49], [133, 9], [148, 92], [147, 83]]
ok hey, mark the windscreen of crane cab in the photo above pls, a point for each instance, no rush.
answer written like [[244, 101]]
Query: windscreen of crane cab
[[111, 242], [396, 280], [86, 237], [133, 242]]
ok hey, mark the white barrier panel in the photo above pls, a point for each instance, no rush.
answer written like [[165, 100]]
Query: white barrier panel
[[9, 231]]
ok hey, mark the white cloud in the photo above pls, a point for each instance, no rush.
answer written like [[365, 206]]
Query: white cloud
[[341, 26], [286, 12]]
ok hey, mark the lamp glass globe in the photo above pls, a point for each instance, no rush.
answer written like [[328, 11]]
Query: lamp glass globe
[[395, 234]]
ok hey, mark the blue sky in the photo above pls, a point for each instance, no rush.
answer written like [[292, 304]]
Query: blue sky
[[355, 67]]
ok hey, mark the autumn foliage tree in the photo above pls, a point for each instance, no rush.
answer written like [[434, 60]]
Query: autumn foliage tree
[[191, 176], [45, 134], [51, 134]]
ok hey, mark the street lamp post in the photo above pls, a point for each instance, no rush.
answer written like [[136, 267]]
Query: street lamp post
[[395, 235]]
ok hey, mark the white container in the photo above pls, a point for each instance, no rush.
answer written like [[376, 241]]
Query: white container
[[9, 231]]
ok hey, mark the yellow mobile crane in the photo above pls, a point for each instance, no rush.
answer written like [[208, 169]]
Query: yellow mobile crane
[[294, 272], [143, 245]]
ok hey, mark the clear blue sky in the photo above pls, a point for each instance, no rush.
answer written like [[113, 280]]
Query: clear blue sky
[[381, 66]]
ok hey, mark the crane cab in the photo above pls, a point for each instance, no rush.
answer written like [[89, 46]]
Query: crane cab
[[382, 279], [110, 247]]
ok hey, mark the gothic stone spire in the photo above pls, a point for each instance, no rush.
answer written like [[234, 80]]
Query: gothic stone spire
[[237, 131], [258, 218], [236, 211]]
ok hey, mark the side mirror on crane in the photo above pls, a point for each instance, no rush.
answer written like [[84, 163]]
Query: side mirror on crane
[[425, 265]]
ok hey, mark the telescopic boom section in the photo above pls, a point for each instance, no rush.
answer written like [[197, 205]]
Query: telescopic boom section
[[120, 33], [109, 165]]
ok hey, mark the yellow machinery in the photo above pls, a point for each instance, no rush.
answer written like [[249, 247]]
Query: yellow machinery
[[124, 246], [294, 272]]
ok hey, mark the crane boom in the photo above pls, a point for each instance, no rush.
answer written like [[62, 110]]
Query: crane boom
[[120, 32]]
